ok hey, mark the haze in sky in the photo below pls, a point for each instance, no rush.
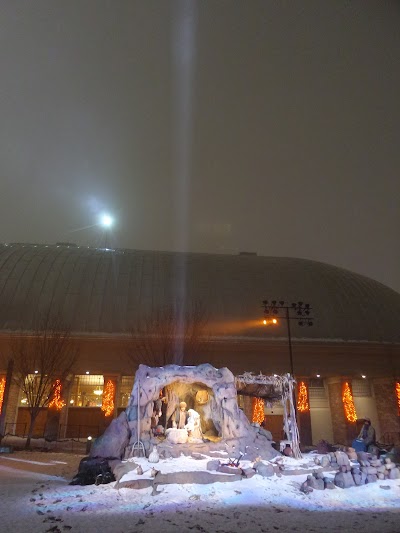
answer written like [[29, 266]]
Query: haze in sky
[[212, 126]]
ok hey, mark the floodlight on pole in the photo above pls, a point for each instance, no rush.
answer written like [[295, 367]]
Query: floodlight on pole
[[298, 311], [106, 221]]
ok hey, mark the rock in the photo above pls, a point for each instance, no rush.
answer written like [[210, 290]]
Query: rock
[[389, 466], [381, 476], [213, 465], [344, 480], [329, 484], [315, 483], [264, 470], [375, 462], [342, 459], [359, 478], [362, 456], [198, 456], [371, 470], [248, 472], [119, 469], [394, 473], [264, 432], [385, 487], [225, 469], [325, 461], [305, 488], [371, 478], [114, 440], [200, 477]]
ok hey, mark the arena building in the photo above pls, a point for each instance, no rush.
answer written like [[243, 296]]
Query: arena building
[[102, 293]]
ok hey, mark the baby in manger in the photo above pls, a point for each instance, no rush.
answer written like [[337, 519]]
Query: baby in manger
[[187, 428]]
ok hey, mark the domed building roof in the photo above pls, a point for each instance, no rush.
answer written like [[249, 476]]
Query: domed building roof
[[105, 291]]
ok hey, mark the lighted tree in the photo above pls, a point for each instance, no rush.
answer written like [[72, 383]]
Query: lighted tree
[[258, 410], [173, 334], [42, 357], [57, 401], [302, 400], [348, 403], [398, 395], [2, 389], [108, 398]]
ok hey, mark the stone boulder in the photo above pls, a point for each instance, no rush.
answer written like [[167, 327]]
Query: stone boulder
[[114, 440], [342, 458], [344, 480], [263, 469]]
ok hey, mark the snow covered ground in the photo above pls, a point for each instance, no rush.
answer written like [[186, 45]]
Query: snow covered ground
[[35, 496]]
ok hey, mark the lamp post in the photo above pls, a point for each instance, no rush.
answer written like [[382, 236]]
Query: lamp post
[[301, 312]]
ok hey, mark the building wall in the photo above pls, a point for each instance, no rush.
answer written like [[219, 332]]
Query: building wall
[[107, 356], [321, 421]]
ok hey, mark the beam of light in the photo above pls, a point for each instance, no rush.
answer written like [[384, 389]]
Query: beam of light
[[183, 54]]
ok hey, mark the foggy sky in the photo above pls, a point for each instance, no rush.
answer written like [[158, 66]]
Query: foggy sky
[[214, 126]]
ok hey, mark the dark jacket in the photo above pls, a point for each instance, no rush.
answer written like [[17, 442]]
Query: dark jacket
[[367, 434]]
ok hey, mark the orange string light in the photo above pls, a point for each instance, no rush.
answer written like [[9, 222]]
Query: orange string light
[[348, 403], [258, 410], [302, 400], [2, 389], [397, 394], [57, 401], [108, 398]]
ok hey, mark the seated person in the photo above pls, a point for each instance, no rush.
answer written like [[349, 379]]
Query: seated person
[[366, 436]]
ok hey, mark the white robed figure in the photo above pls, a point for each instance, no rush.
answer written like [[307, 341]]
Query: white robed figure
[[193, 426]]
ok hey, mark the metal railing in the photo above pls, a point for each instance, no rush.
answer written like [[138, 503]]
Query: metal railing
[[78, 431], [20, 429]]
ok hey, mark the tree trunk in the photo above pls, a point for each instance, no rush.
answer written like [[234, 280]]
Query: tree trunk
[[31, 428]]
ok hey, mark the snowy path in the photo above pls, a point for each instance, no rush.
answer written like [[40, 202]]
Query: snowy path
[[35, 502]]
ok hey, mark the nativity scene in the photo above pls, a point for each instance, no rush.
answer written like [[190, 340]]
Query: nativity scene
[[185, 409]]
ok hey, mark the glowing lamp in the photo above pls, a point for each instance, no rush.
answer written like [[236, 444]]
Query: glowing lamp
[[106, 221]]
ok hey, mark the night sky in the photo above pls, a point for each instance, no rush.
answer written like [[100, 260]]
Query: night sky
[[213, 126]]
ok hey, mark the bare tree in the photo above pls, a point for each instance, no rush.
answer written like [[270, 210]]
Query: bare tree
[[42, 356], [173, 334]]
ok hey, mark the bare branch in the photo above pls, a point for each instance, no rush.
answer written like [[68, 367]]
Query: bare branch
[[173, 334], [40, 357]]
